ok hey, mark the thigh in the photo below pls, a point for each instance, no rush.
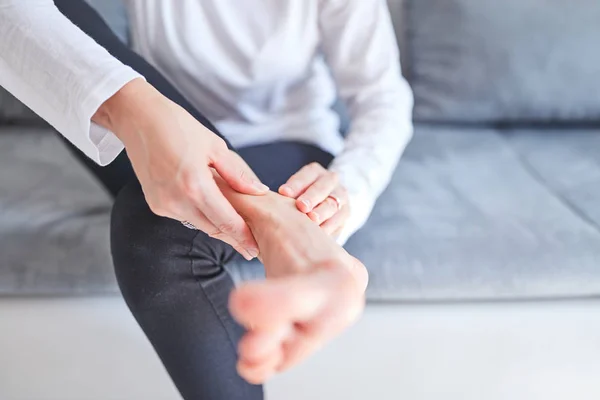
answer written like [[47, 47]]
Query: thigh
[[274, 163]]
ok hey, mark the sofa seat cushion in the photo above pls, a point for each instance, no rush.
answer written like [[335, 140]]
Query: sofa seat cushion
[[480, 214], [53, 219], [471, 214], [484, 214]]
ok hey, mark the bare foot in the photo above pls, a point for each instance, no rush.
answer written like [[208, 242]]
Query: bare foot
[[314, 288]]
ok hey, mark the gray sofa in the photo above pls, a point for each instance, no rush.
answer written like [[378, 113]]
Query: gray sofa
[[496, 198]]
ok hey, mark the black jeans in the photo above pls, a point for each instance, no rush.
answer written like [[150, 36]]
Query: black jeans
[[172, 278]]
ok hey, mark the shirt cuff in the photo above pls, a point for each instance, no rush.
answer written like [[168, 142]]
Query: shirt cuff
[[361, 206], [361, 199], [103, 145]]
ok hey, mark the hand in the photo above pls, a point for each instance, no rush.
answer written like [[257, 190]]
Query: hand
[[173, 156], [319, 194]]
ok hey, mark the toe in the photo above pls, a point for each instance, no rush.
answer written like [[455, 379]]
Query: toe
[[258, 346], [360, 274], [258, 373], [299, 347]]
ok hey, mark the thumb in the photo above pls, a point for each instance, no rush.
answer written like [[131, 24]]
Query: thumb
[[234, 170]]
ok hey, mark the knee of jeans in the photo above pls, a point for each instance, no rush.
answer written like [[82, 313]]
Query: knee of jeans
[[154, 257]]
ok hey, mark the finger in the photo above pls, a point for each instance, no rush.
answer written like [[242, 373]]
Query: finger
[[324, 211], [337, 222], [360, 273], [300, 348], [301, 180], [252, 175], [234, 170], [317, 192], [228, 223], [309, 338]]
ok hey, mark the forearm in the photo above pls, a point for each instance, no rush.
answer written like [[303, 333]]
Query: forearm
[[59, 72], [361, 49], [379, 135], [123, 113]]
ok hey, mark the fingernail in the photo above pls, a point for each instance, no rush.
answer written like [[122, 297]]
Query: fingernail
[[315, 217], [253, 253], [260, 186], [306, 203], [285, 189]]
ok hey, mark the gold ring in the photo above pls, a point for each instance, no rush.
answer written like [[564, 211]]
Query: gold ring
[[337, 201]]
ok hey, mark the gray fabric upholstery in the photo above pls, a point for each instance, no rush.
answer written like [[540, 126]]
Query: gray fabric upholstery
[[397, 11], [470, 214], [481, 214], [502, 61], [568, 167], [13, 111], [53, 219]]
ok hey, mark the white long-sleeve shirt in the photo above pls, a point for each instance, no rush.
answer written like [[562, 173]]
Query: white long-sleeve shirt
[[260, 70]]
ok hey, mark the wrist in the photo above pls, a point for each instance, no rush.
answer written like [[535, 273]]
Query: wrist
[[120, 112]]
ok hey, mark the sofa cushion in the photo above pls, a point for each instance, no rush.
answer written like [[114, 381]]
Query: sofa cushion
[[14, 112], [470, 214], [504, 61], [53, 219], [476, 214]]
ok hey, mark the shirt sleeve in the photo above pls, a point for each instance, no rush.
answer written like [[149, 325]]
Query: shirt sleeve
[[360, 47], [59, 72]]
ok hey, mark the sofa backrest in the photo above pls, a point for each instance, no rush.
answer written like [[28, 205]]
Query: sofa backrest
[[508, 61]]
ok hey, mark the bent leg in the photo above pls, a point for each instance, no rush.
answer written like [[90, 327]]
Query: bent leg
[[173, 281], [172, 278], [175, 284]]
